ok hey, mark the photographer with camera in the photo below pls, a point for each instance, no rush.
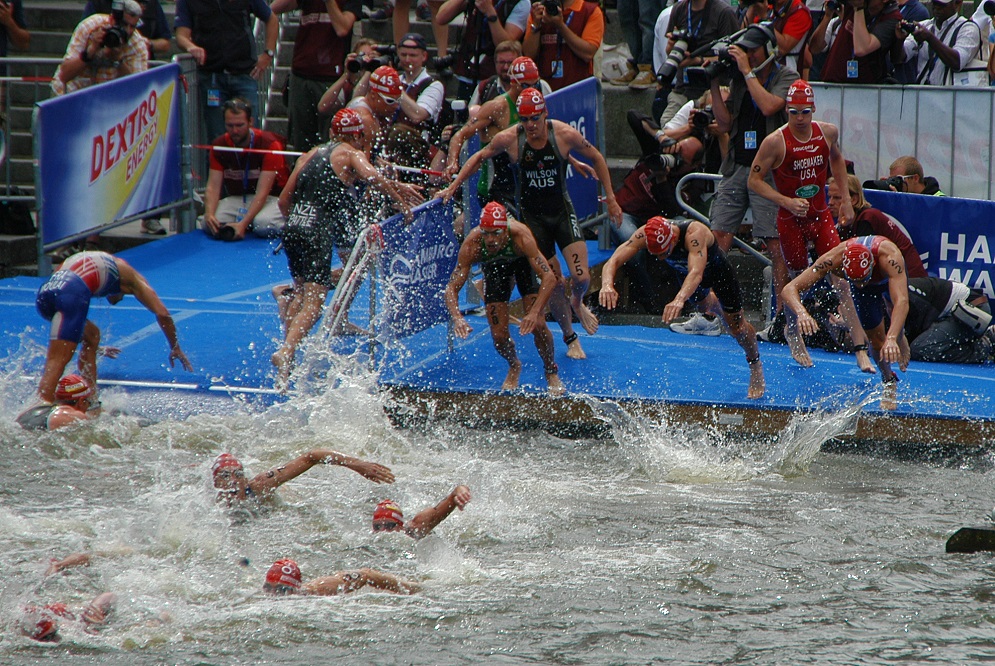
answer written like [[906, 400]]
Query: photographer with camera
[[563, 39], [951, 42], [153, 27], [355, 79], [792, 24], [320, 47], [906, 175], [693, 24], [103, 47], [487, 24], [859, 42]]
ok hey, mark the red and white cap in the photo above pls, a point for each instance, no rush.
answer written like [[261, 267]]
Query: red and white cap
[[347, 121], [284, 573], [386, 81], [858, 260], [389, 510], [530, 103], [223, 462], [801, 92], [661, 237], [494, 216], [73, 387], [523, 70]]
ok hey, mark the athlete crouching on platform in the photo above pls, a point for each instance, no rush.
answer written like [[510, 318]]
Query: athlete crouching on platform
[[388, 517], [321, 208], [72, 404], [690, 248], [800, 156], [508, 254], [229, 475], [876, 269], [284, 578]]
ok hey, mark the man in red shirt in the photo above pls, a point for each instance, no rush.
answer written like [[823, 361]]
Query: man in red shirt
[[250, 181]]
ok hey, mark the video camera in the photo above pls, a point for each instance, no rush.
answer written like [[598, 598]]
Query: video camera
[[886, 184], [117, 35], [746, 39], [669, 68], [362, 63]]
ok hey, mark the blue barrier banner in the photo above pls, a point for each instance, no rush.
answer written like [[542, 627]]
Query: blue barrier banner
[[108, 151], [577, 105], [954, 236], [416, 263]]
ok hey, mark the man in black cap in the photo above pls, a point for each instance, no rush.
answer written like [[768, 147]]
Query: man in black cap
[[420, 104]]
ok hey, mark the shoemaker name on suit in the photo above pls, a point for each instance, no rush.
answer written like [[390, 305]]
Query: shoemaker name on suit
[[135, 133]]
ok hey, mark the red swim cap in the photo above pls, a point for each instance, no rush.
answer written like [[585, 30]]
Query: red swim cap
[[523, 70], [530, 103], [494, 216], [385, 81], [661, 237], [800, 92], [858, 261], [225, 461], [73, 387], [388, 511], [347, 121], [284, 573], [40, 624]]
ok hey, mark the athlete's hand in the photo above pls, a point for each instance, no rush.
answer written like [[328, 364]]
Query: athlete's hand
[[529, 322], [614, 211], [446, 193], [375, 472], [109, 352], [608, 297], [890, 351], [461, 328], [673, 310], [176, 354], [799, 207], [461, 496], [806, 324]]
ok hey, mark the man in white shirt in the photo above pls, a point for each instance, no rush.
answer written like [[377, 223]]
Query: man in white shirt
[[942, 45]]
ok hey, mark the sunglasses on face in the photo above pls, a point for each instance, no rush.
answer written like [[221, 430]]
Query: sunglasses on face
[[227, 475], [532, 119], [803, 112], [235, 105], [390, 101]]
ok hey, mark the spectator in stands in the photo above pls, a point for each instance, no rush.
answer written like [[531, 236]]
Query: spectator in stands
[[858, 47], [949, 323], [378, 108], [320, 47], [509, 257], [792, 24], [505, 53], [870, 221], [638, 18], [387, 517], [755, 109], [413, 130], [425, 10], [13, 28], [284, 578], [340, 93], [488, 24], [703, 21], [242, 187], [220, 39], [910, 170], [563, 44], [154, 27], [911, 10], [943, 45], [90, 60]]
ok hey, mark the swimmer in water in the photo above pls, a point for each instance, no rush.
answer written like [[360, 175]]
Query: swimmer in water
[[75, 400], [284, 578], [229, 475], [387, 517], [42, 624]]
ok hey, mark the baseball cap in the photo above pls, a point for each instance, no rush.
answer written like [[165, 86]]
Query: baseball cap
[[347, 121], [388, 511], [858, 261], [73, 387], [386, 81], [494, 216], [530, 102], [756, 36], [800, 92], [661, 237], [523, 70], [283, 574], [413, 40]]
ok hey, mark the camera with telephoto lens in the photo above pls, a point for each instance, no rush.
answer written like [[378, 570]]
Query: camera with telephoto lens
[[117, 35], [989, 7], [833, 6], [669, 68], [886, 184], [441, 62], [385, 49], [908, 26], [663, 162], [702, 118], [363, 63], [552, 7]]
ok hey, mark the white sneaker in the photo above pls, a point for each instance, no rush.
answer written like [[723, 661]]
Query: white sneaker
[[153, 227], [698, 324]]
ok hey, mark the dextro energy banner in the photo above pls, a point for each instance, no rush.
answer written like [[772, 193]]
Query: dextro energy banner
[[108, 151], [416, 263], [955, 237]]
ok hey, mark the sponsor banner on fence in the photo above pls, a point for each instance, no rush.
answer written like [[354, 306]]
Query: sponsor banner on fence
[[415, 264], [108, 151], [954, 236]]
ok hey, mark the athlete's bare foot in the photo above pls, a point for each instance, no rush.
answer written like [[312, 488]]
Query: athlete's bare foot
[[282, 363], [587, 318], [511, 381], [556, 387], [889, 395], [575, 351], [757, 383], [798, 350]]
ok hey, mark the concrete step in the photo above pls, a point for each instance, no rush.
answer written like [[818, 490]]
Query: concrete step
[[619, 140]]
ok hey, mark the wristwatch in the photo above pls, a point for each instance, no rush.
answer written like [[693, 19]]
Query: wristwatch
[[270, 53], [492, 19], [751, 75]]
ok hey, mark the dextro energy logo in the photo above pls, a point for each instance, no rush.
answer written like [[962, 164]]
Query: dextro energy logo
[[130, 139]]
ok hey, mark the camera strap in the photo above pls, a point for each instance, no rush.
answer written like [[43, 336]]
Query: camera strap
[[934, 56]]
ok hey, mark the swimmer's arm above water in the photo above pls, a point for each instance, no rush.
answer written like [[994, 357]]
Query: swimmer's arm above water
[[269, 481]]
